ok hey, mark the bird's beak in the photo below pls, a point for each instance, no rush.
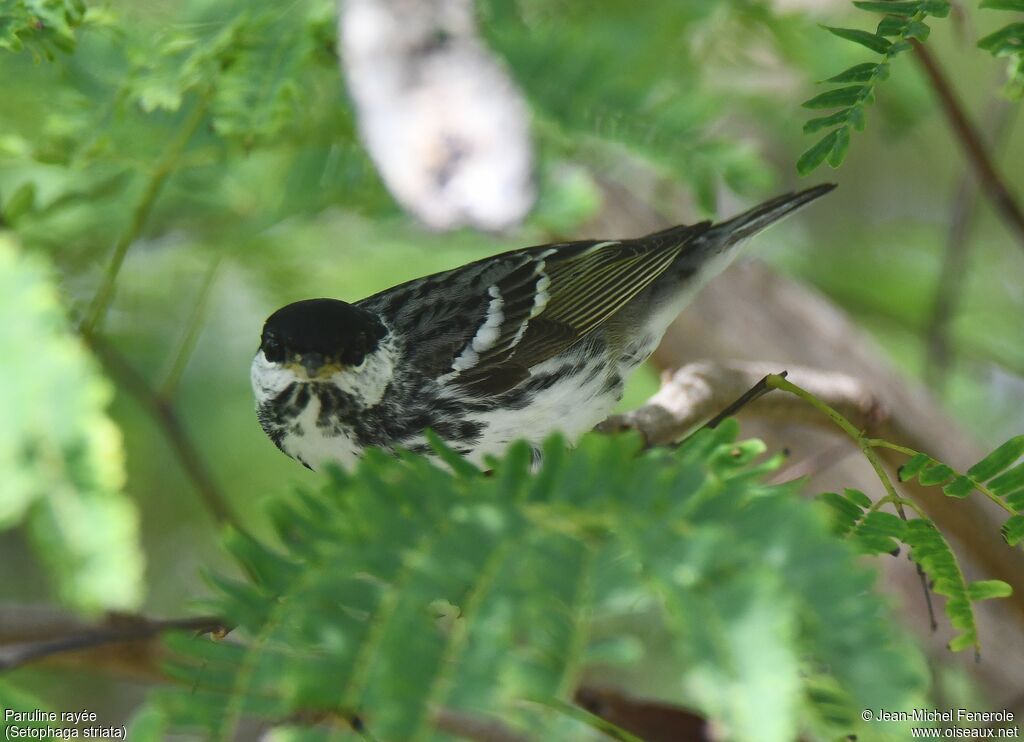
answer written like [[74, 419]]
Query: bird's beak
[[313, 363]]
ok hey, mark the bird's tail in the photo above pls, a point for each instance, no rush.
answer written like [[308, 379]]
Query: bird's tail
[[751, 222]]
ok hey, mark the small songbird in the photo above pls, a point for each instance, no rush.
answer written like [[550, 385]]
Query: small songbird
[[518, 345]]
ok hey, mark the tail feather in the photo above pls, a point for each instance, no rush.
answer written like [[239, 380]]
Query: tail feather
[[753, 221]]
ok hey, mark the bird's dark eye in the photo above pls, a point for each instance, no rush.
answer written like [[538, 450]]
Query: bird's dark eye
[[353, 356], [356, 351], [272, 349]]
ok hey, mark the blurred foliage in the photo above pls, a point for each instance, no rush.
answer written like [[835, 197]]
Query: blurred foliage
[[1008, 42], [45, 26], [60, 454], [214, 141], [484, 591]]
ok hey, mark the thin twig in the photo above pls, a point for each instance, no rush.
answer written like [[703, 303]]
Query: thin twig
[[474, 726], [187, 344], [977, 155], [129, 628], [165, 166], [135, 629], [699, 391], [949, 289], [755, 392], [864, 444], [163, 412]]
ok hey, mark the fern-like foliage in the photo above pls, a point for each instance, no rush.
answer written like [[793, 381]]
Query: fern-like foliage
[[877, 532], [1008, 42], [61, 455], [404, 587], [992, 476], [624, 78], [258, 72], [903, 21], [44, 26]]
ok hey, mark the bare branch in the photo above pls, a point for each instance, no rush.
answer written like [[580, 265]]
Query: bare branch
[[954, 263], [130, 642], [653, 721], [974, 148], [698, 391], [166, 418], [31, 633], [475, 727]]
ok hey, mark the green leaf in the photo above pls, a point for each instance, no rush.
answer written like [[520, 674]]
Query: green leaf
[[842, 144], [930, 550], [458, 463], [44, 26], [935, 474], [1007, 40], [839, 97], [988, 589], [960, 487], [61, 455], [824, 122], [1014, 5], [892, 26], [1009, 481], [415, 586], [872, 41], [914, 466], [845, 512], [1013, 529], [856, 118], [879, 533], [936, 8], [816, 155], [894, 8], [917, 30], [21, 202], [899, 47], [860, 73], [1000, 459], [859, 498]]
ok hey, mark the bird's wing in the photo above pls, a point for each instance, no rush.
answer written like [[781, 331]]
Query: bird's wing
[[483, 326]]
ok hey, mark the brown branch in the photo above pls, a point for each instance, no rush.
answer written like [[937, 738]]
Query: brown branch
[[949, 289], [130, 643], [652, 721], [163, 413], [699, 391], [30, 634], [974, 147], [475, 726]]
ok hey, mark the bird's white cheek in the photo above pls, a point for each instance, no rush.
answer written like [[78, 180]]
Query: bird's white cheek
[[368, 381], [269, 379]]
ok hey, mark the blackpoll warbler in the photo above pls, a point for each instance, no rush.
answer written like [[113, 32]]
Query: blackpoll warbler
[[517, 345]]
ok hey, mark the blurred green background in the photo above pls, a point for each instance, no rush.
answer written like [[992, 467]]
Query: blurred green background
[[271, 198]]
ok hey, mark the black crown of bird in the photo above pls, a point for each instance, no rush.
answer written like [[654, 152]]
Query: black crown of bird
[[517, 345]]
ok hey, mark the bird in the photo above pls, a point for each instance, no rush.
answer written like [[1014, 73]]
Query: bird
[[518, 345]]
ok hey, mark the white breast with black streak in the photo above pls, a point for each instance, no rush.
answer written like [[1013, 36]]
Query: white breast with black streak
[[305, 417]]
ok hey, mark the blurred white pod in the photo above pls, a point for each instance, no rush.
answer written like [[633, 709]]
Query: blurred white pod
[[442, 119]]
